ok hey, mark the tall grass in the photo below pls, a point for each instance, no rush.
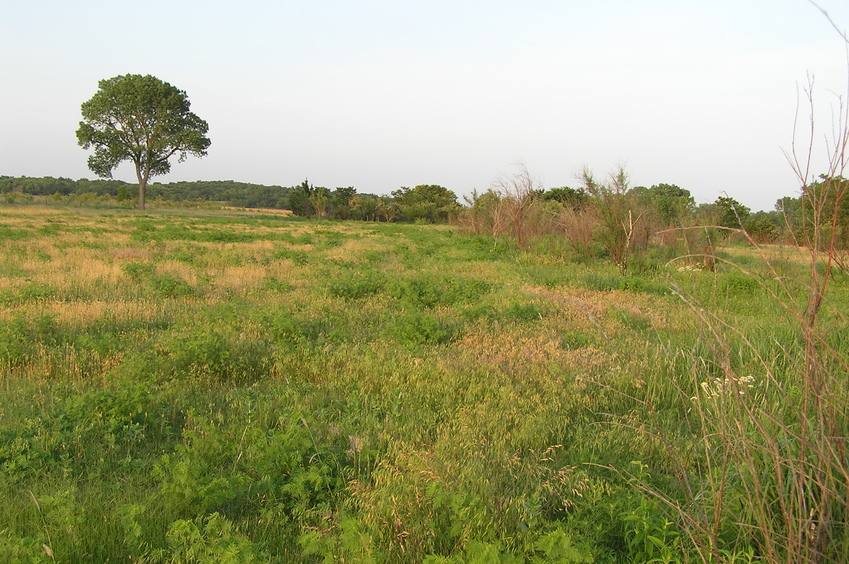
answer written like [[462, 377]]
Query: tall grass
[[221, 385], [766, 477]]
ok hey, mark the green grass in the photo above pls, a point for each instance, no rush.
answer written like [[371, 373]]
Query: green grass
[[201, 386]]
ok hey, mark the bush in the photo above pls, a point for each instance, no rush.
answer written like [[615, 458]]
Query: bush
[[138, 271], [356, 285], [170, 286], [427, 291], [416, 329], [21, 338]]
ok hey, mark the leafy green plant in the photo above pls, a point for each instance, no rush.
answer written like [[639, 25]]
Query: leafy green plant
[[557, 547], [435, 290], [212, 538], [650, 535], [356, 285], [170, 285], [138, 271], [22, 337], [23, 550], [297, 256], [416, 329]]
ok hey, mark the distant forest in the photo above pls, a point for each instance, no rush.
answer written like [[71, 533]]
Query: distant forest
[[427, 203], [229, 192]]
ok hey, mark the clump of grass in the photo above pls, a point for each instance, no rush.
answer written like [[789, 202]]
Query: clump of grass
[[636, 284], [574, 341], [298, 256]]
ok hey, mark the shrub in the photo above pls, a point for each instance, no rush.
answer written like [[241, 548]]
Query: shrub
[[23, 336], [170, 285], [138, 271], [416, 329], [437, 290], [356, 285]]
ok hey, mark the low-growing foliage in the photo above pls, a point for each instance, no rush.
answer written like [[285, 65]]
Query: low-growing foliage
[[356, 285], [418, 328], [221, 386]]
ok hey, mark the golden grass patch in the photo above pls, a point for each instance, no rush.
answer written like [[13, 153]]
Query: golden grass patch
[[506, 351], [799, 255], [84, 313], [130, 254], [74, 267], [240, 278], [178, 269]]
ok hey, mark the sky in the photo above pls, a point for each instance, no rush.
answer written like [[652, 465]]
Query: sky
[[378, 95]]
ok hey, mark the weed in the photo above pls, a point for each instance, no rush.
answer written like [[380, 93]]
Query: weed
[[416, 329], [138, 271], [170, 285], [356, 285], [297, 256]]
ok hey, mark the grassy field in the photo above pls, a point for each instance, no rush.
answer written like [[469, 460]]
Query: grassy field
[[226, 386]]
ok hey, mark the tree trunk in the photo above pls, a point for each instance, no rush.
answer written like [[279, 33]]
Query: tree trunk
[[142, 178], [142, 186]]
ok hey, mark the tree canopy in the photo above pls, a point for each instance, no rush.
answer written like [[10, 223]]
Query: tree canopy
[[732, 213], [140, 119], [427, 202], [671, 202]]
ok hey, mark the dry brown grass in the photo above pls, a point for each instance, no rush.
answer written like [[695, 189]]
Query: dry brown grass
[[260, 210], [240, 279], [130, 254]]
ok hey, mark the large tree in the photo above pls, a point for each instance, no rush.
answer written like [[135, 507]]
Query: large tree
[[428, 202], [671, 203], [732, 214], [140, 119]]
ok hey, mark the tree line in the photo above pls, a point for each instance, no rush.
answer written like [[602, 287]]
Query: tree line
[[147, 121], [609, 218], [427, 203], [609, 215]]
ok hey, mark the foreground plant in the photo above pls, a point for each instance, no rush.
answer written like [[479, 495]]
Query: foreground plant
[[770, 480]]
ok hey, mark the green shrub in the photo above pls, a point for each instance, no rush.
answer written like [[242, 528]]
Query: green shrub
[[21, 338], [437, 290], [23, 550], [356, 285], [522, 312], [272, 284], [138, 271], [33, 292], [206, 353], [211, 539], [297, 256], [416, 329], [170, 285]]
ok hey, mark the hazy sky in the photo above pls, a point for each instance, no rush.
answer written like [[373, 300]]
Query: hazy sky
[[379, 94]]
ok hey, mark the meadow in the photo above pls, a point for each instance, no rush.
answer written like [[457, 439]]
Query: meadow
[[230, 386]]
